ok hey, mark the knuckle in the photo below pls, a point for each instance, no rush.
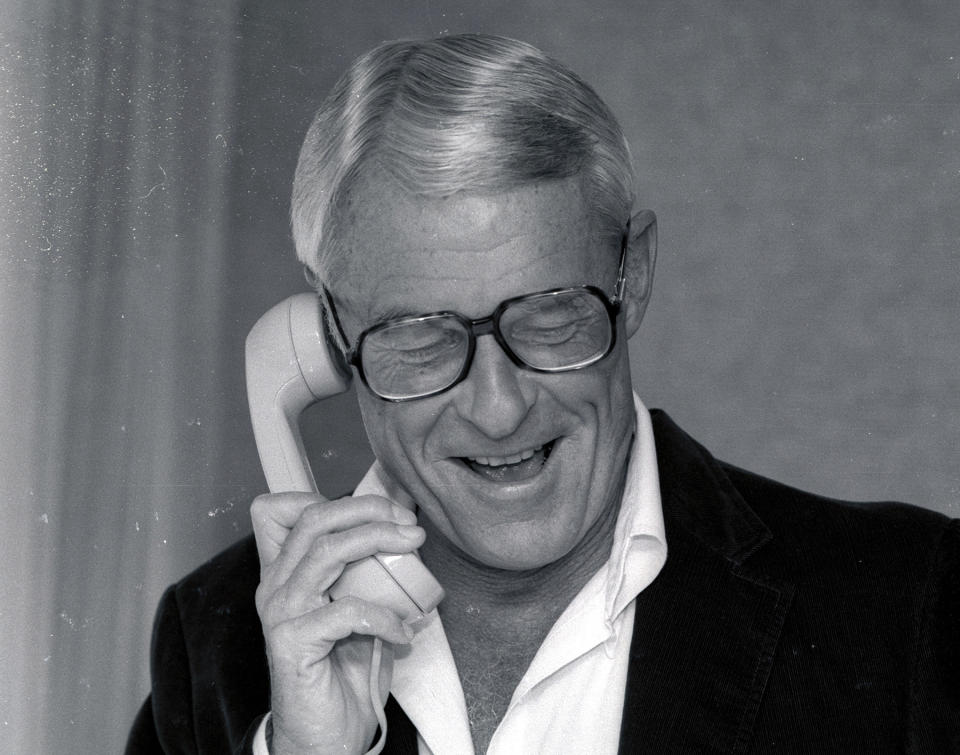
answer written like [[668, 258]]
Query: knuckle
[[281, 634], [267, 606], [314, 516], [258, 508], [278, 608], [265, 600], [260, 598], [320, 549], [269, 619]]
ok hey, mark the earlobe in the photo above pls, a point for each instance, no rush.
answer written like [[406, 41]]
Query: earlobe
[[640, 263]]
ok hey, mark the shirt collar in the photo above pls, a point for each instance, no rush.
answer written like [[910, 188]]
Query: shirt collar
[[639, 538]]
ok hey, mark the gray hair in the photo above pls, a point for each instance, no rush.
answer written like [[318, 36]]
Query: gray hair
[[471, 113]]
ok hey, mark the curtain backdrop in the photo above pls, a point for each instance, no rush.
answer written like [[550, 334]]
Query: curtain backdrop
[[804, 160], [113, 346]]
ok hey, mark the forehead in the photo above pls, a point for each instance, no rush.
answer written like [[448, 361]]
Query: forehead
[[408, 254]]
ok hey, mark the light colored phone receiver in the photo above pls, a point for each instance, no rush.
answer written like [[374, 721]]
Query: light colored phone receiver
[[289, 367]]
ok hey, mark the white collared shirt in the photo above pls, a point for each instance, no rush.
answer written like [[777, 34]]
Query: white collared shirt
[[571, 697]]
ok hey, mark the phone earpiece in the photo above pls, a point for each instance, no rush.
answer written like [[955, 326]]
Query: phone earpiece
[[321, 364]]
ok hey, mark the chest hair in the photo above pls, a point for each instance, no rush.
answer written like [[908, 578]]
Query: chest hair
[[490, 669]]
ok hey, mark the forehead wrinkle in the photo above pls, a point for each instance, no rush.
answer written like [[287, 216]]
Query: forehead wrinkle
[[349, 281], [381, 303], [469, 246], [385, 300]]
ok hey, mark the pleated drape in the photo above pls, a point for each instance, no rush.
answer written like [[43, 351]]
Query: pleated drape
[[112, 344]]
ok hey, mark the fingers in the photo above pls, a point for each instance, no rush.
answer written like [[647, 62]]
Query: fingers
[[343, 515], [302, 580], [341, 548], [324, 626], [304, 545], [276, 516]]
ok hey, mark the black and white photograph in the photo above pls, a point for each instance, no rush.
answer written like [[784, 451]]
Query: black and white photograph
[[446, 378]]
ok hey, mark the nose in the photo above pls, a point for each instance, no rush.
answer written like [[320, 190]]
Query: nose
[[495, 399]]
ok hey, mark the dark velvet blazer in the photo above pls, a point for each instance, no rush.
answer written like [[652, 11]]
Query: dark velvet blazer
[[781, 622]]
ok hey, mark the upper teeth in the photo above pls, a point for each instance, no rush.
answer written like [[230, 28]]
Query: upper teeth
[[498, 461]]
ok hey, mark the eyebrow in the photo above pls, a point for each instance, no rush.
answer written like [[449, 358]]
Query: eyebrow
[[395, 313]]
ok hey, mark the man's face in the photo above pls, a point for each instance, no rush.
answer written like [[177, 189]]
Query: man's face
[[457, 453]]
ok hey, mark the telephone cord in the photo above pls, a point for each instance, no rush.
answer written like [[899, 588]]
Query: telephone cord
[[375, 660]]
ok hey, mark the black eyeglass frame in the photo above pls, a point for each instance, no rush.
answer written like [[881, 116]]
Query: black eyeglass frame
[[490, 325]]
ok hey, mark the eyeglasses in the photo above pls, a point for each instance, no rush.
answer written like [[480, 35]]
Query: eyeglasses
[[557, 330]]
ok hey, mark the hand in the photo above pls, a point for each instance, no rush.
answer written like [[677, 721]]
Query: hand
[[319, 651]]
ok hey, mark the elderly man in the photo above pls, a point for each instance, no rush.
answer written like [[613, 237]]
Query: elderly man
[[465, 206]]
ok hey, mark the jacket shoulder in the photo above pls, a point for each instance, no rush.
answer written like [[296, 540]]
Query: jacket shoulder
[[861, 601], [894, 536], [210, 683], [225, 583], [880, 548], [876, 609], [218, 618]]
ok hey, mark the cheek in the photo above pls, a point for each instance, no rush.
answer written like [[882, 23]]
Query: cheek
[[618, 385], [603, 391], [376, 421], [393, 430]]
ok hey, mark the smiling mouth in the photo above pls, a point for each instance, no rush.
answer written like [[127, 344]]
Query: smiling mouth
[[513, 468]]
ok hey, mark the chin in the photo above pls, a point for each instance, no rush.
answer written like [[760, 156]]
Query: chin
[[523, 554]]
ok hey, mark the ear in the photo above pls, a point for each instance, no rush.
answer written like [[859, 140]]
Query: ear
[[640, 261]]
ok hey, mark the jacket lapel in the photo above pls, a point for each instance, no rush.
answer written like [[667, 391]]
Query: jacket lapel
[[706, 630]]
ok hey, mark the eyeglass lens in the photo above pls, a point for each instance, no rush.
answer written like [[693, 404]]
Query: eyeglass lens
[[414, 357], [556, 331]]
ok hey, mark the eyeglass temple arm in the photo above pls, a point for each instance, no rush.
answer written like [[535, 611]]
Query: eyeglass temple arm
[[622, 267], [330, 313]]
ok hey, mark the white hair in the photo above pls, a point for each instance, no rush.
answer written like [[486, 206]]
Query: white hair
[[470, 113]]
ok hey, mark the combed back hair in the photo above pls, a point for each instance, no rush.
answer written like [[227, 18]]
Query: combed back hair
[[471, 113]]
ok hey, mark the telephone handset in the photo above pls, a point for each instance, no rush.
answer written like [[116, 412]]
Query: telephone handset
[[289, 367]]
